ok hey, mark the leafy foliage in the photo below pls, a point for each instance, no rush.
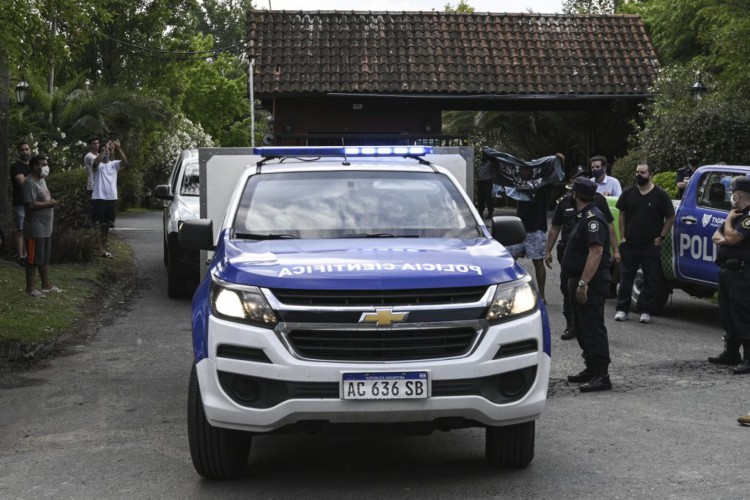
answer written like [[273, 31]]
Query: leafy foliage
[[461, 6], [590, 6]]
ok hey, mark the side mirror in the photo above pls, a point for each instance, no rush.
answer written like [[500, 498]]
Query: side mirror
[[197, 234], [508, 230], [162, 192]]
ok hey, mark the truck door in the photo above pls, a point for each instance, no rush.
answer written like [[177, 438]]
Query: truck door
[[703, 209]]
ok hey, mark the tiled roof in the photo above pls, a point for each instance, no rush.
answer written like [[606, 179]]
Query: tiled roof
[[316, 52]]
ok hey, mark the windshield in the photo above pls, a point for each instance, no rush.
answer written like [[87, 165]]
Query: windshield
[[353, 205], [190, 185]]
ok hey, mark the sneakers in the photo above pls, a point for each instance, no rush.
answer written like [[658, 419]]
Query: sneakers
[[621, 316], [36, 294], [645, 318], [52, 289], [107, 255], [21, 262], [744, 420]]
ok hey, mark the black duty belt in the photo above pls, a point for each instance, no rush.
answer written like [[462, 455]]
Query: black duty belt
[[734, 264]]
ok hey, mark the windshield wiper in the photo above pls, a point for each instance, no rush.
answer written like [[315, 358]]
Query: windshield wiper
[[380, 235], [254, 236]]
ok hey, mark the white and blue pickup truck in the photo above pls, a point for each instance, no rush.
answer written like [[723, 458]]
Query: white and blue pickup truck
[[357, 291], [689, 254]]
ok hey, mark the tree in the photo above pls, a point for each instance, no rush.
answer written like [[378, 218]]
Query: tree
[[462, 6], [590, 6], [697, 37]]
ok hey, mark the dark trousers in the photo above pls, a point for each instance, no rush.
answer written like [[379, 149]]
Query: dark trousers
[[588, 319], [484, 197], [734, 304], [564, 275], [648, 258]]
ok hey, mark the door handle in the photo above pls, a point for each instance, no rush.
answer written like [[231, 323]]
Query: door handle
[[689, 219]]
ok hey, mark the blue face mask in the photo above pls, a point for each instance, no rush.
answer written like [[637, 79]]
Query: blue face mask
[[106, 158]]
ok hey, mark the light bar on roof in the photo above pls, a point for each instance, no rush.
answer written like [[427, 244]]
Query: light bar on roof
[[343, 151]]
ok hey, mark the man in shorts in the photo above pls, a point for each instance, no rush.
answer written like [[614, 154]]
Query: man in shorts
[[104, 196], [533, 214], [37, 227], [19, 170]]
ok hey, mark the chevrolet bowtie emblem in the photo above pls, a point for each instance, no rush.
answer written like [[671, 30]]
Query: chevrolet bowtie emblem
[[383, 317]]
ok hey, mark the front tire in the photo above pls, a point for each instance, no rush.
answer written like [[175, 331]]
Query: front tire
[[659, 298], [217, 453], [511, 446], [177, 287]]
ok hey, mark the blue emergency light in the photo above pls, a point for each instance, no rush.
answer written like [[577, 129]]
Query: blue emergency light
[[342, 151]]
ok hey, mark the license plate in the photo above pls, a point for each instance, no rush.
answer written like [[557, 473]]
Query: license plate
[[385, 385]]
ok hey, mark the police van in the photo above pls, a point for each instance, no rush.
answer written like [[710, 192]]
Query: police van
[[356, 290]]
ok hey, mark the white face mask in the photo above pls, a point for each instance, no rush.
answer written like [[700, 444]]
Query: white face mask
[[45, 172]]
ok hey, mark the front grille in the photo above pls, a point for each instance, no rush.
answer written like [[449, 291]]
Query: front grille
[[382, 345], [255, 392], [370, 298]]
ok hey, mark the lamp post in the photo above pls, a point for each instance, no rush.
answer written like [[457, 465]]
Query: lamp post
[[698, 90], [22, 90]]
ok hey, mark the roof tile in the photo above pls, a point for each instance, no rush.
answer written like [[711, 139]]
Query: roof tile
[[449, 53]]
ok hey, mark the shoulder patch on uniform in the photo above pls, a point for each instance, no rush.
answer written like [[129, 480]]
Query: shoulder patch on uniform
[[594, 226], [746, 223]]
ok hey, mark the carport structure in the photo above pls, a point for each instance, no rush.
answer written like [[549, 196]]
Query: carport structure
[[327, 75]]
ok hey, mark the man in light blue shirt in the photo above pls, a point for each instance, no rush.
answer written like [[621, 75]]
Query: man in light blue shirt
[[605, 185]]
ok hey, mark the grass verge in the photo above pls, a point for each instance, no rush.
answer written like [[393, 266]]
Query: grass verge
[[27, 322]]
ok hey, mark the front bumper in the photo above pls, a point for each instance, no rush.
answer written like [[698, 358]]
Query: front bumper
[[277, 365]]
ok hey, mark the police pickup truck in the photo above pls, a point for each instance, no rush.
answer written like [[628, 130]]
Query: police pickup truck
[[688, 254], [357, 291]]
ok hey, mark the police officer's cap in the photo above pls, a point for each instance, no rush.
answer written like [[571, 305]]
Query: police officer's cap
[[579, 171], [585, 188], [692, 153], [742, 184]]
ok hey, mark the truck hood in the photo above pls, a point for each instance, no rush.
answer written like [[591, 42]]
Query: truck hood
[[365, 264]]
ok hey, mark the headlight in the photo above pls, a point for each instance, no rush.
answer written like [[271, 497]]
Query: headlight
[[512, 301], [241, 303]]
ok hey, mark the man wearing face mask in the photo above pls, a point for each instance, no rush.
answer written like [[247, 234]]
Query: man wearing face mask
[[732, 240], [685, 173], [104, 196], [37, 228], [646, 217], [586, 262], [605, 185]]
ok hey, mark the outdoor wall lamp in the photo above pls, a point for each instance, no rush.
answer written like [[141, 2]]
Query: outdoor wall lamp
[[22, 90], [698, 90]]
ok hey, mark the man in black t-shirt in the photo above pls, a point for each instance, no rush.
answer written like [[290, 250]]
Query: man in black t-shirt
[[646, 217], [19, 170], [533, 214]]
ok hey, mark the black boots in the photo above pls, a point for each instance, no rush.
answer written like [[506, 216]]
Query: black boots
[[730, 356], [744, 367], [584, 376], [593, 378], [569, 333], [599, 382]]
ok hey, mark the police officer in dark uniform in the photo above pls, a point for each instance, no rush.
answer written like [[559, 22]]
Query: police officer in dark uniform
[[564, 219], [586, 260], [733, 256], [685, 173]]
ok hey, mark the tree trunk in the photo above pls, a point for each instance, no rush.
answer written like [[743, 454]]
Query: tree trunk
[[4, 167]]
